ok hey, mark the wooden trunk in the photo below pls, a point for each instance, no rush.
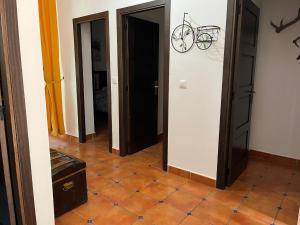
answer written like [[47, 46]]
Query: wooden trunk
[[69, 182]]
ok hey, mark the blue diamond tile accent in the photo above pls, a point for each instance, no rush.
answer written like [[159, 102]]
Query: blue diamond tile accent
[[140, 217]]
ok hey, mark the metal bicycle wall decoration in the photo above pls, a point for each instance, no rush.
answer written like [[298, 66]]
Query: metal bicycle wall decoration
[[185, 36]]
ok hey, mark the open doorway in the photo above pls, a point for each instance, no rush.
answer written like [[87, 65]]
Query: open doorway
[[143, 33], [259, 123], [259, 94], [99, 77], [93, 77], [242, 90]]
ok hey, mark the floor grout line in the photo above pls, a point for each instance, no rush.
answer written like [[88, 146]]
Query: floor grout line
[[285, 195], [265, 169], [242, 201]]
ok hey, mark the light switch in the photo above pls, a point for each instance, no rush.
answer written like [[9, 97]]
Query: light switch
[[183, 84], [114, 80]]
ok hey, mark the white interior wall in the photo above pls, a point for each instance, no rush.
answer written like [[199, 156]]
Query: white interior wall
[[157, 16], [276, 105], [87, 77], [193, 112], [32, 67]]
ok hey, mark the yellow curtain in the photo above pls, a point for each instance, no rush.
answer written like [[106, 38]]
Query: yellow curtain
[[49, 38]]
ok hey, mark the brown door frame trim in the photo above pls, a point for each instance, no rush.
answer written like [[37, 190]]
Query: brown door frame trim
[[17, 132], [229, 56], [121, 13], [79, 72]]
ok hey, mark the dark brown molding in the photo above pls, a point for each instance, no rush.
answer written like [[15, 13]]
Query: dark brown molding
[[274, 159], [79, 72], [225, 116], [17, 134], [121, 13]]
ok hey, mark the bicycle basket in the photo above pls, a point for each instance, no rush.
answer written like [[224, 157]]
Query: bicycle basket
[[213, 31]]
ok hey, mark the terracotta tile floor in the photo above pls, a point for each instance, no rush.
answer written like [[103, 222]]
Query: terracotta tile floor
[[134, 190]]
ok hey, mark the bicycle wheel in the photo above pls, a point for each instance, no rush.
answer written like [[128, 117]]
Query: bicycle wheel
[[204, 41], [183, 38]]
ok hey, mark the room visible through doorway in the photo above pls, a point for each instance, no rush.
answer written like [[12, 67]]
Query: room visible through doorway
[[143, 78], [93, 78]]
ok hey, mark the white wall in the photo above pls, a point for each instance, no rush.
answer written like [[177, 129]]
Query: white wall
[[193, 112], [276, 107], [30, 43], [87, 78], [157, 16]]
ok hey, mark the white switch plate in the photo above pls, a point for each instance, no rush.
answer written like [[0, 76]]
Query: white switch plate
[[114, 80], [183, 84]]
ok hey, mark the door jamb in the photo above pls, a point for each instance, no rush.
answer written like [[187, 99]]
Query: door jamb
[[121, 13], [227, 85], [79, 72], [17, 131]]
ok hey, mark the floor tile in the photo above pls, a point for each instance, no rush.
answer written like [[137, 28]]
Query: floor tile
[[97, 184], [262, 205], [242, 219], [151, 172], [163, 214], [158, 191], [289, 212], [116, 192], [172, 180], [138, 203], [136, 182], [256, 214], [183, 201], [70, 218], [91, 209], [191, 220], [228, 198], [116, 173], [115, 216], [197, 189], [212, 212], [135, 190]]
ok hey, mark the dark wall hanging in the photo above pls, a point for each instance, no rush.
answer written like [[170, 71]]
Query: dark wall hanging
[[185, 36], [283, 26], [297, 43]]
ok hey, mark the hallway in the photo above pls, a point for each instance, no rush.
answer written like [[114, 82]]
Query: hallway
[[134, 190]]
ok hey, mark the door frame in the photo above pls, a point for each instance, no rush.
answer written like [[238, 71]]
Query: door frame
[[123, 76], [233, 8], [15, 114], [79, 72]]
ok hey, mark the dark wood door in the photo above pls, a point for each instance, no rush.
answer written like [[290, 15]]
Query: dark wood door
[[7, 211], [243, 88], [143, 44]]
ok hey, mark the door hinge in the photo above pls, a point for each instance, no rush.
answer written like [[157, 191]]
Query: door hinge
[[2, 112]]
